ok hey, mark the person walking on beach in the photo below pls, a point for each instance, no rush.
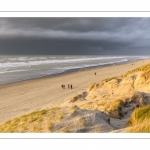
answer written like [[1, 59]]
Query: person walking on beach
[[95, 73], [71, 86], [68, 86], [63, 86]]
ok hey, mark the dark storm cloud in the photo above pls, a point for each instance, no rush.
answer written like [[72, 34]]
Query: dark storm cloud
[[53, 46], [74, 36]]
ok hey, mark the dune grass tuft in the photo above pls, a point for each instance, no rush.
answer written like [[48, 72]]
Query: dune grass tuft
[[115, 109], [140, 120], [144, 68], [34, 122], [109, 79]]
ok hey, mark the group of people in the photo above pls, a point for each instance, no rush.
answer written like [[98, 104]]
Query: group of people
[[69, 86]]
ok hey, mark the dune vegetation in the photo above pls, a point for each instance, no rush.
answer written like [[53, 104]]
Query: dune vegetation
[[140, 120], [33, 122], [145, 69], [64, 120]]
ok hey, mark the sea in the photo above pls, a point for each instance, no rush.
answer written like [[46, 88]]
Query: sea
[[15, 68]]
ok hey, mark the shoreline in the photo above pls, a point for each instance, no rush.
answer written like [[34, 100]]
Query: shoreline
[[23, 97], [73, 71]]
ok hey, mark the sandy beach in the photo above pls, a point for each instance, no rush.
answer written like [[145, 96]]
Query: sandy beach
[[20, 98]]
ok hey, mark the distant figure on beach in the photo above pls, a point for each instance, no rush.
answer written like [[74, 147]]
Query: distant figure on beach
[[71, 86], [68, 86], [63, 86], [95, 73]]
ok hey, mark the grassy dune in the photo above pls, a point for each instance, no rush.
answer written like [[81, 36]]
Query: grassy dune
[[140, 120], [34, 122], [113, 108], [62, 120], [145, 69]]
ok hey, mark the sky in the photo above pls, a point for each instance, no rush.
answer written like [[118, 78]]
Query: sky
[[75, 36]]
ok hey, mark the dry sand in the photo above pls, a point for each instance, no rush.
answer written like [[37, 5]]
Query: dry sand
[[20, 98]]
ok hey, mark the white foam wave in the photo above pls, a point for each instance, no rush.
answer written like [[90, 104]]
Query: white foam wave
[[55, 61], [92, 65], [9, 71]]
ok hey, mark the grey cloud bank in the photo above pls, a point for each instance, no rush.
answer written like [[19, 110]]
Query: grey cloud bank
[[105, 36]]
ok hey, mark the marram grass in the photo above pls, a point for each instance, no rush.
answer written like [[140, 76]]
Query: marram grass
[[34, 122], [140, 120], [144, 68]]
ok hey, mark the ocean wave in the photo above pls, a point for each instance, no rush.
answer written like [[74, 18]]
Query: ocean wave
[[9, 71], [92, 65], [29, 63], [34, 67]]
